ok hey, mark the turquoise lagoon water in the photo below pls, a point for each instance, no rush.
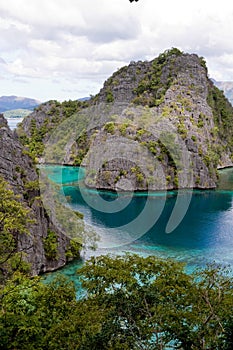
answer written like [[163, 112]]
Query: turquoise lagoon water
[[204, 235]]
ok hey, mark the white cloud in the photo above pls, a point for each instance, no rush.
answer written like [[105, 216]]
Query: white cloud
[[2, 61], [79, 43]]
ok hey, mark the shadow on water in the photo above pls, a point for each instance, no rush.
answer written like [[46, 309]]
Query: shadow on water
[[207, 226]]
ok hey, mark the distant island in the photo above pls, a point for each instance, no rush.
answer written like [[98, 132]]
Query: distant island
[[8, 103], [17, 113]]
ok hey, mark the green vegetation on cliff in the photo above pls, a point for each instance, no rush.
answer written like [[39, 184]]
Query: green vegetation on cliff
[[223, 115], [152, 88], [43, 121], [172, 91], [14, 222]]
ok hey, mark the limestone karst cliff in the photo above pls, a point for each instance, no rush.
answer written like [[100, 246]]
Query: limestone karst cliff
[[17, 169], [168, 107]]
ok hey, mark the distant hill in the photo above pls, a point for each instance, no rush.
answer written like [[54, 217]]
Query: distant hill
[[227, 87], [84, 99], [14, 102]]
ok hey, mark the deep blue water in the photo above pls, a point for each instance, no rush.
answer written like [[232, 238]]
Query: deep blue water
[[205, 234]]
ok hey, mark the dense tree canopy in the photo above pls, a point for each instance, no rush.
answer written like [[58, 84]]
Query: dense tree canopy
[[130, 303], [152, 303]]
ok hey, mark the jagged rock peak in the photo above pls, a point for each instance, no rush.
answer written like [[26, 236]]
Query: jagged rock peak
[[146, 82]]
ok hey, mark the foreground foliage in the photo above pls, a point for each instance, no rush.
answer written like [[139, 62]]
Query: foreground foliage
[[130, 303]]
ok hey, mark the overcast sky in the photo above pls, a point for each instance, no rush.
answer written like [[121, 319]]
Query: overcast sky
[[66, 49]]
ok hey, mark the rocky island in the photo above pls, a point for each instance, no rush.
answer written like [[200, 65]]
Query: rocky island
[[167, 107]]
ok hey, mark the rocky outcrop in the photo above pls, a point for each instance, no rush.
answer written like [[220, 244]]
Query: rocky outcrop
[[167, 127], [120, 87], [35, 130], [184, 111], [17, 169]]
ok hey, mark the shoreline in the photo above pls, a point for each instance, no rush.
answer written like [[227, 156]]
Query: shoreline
[[138, 192], [225, 167]]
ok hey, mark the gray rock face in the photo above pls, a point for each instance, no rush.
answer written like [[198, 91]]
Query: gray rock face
[[122, 83], [184, 111], [17, 169], [153, 157], [39, 116], [170, 94]]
